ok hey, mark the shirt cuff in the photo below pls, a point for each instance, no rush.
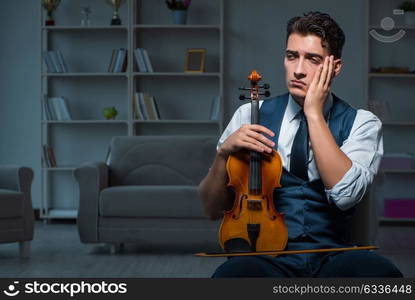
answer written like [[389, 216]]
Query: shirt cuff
[[349, 190]]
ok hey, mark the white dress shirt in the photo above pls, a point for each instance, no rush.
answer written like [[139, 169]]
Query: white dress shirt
[[364, 147]]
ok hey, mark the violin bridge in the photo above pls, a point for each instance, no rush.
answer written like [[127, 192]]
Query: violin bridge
[[254, 204]]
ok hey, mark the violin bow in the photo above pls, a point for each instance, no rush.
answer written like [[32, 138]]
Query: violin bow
[[284, 252]]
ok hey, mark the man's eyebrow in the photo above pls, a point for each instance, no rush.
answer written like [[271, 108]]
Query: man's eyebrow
[[311, 55], [308, 54], [291, 52]]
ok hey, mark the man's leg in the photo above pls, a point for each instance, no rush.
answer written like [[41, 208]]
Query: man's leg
[[358, 264], [249, 266]]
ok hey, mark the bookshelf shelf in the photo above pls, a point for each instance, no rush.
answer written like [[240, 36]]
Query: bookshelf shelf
[[85, 122], [397, 123], [397, 171], [103, 74], [184, 27], [396, 221], [404, 27], [84, 28], [62, 214], [59, 169], [391, 75], [213, 122], [178, 74]]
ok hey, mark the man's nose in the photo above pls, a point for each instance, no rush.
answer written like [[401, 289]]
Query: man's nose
[[299, 71]]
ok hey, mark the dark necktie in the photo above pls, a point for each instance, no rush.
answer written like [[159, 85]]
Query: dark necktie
[[299, 150]]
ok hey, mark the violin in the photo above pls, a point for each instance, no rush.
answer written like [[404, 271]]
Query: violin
[[253, 223]]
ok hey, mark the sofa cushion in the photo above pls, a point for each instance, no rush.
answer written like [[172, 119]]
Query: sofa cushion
[[11, 203], [150, 201], [160, 160]]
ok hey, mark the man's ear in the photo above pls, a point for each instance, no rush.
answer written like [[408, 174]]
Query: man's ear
[[337, 67]]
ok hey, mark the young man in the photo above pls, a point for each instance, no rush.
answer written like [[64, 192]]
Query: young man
[[330, 154]]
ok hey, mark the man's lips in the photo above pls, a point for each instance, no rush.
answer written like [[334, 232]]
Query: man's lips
[[297, 82]]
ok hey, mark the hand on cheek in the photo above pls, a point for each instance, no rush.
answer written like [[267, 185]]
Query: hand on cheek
[[320, 87]]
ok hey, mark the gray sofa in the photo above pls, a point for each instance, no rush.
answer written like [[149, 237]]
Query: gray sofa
[[16, 213], [146, 192]]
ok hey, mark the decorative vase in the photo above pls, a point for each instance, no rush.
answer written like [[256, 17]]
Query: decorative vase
[[410, 17], [179, 16]]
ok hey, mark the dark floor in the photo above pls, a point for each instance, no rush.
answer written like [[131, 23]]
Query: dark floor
[[57, 252]]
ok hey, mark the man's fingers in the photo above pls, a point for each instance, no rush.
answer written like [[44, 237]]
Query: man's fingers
[[260, 137], [323, 76], [329, 73], [261, 128], [317, 75], [253, 144]]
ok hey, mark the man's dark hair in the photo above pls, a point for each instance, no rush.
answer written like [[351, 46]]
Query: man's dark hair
[[321, 25]]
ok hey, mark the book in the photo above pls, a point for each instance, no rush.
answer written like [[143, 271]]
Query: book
[[48, 61], [151, 113], [55, 61], [59, 109], [147, 61], [56, 112], [49, 107], [52, 157], [214, 108], [136, 107], [155, 107], [63, 107], [45, 157], [142, 106], [46, 112], [112, 60], [48, 156], [141, 66], [399, 207], [61, 61], [120, 60], [125, 62]]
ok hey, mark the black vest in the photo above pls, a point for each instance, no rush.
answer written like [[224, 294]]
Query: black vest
[[307, 210]]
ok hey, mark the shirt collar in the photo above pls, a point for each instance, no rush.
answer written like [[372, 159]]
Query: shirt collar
[[293, 107]]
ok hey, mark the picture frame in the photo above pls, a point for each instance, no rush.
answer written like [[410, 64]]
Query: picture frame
[[195, 60]]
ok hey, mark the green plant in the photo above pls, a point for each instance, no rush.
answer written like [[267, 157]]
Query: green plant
[[408, 6], [110, 113]]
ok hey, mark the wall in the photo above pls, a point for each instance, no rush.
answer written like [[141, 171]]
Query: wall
[[20, 86]]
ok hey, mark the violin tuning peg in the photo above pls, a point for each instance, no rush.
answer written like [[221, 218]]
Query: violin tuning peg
[[267, 94], [266, 86], [242, 97]]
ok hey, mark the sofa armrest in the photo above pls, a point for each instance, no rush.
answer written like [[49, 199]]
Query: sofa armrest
[[19, 178], [92, 178]]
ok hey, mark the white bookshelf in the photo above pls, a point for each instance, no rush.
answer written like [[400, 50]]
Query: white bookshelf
[[397, 89], [378, 75], [183, 102], [103, 74], [206, 74]]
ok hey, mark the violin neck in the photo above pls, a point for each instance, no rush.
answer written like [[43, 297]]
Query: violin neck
[[255, 173]]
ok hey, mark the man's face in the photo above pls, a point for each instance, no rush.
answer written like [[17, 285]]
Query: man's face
[[302, 57]]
